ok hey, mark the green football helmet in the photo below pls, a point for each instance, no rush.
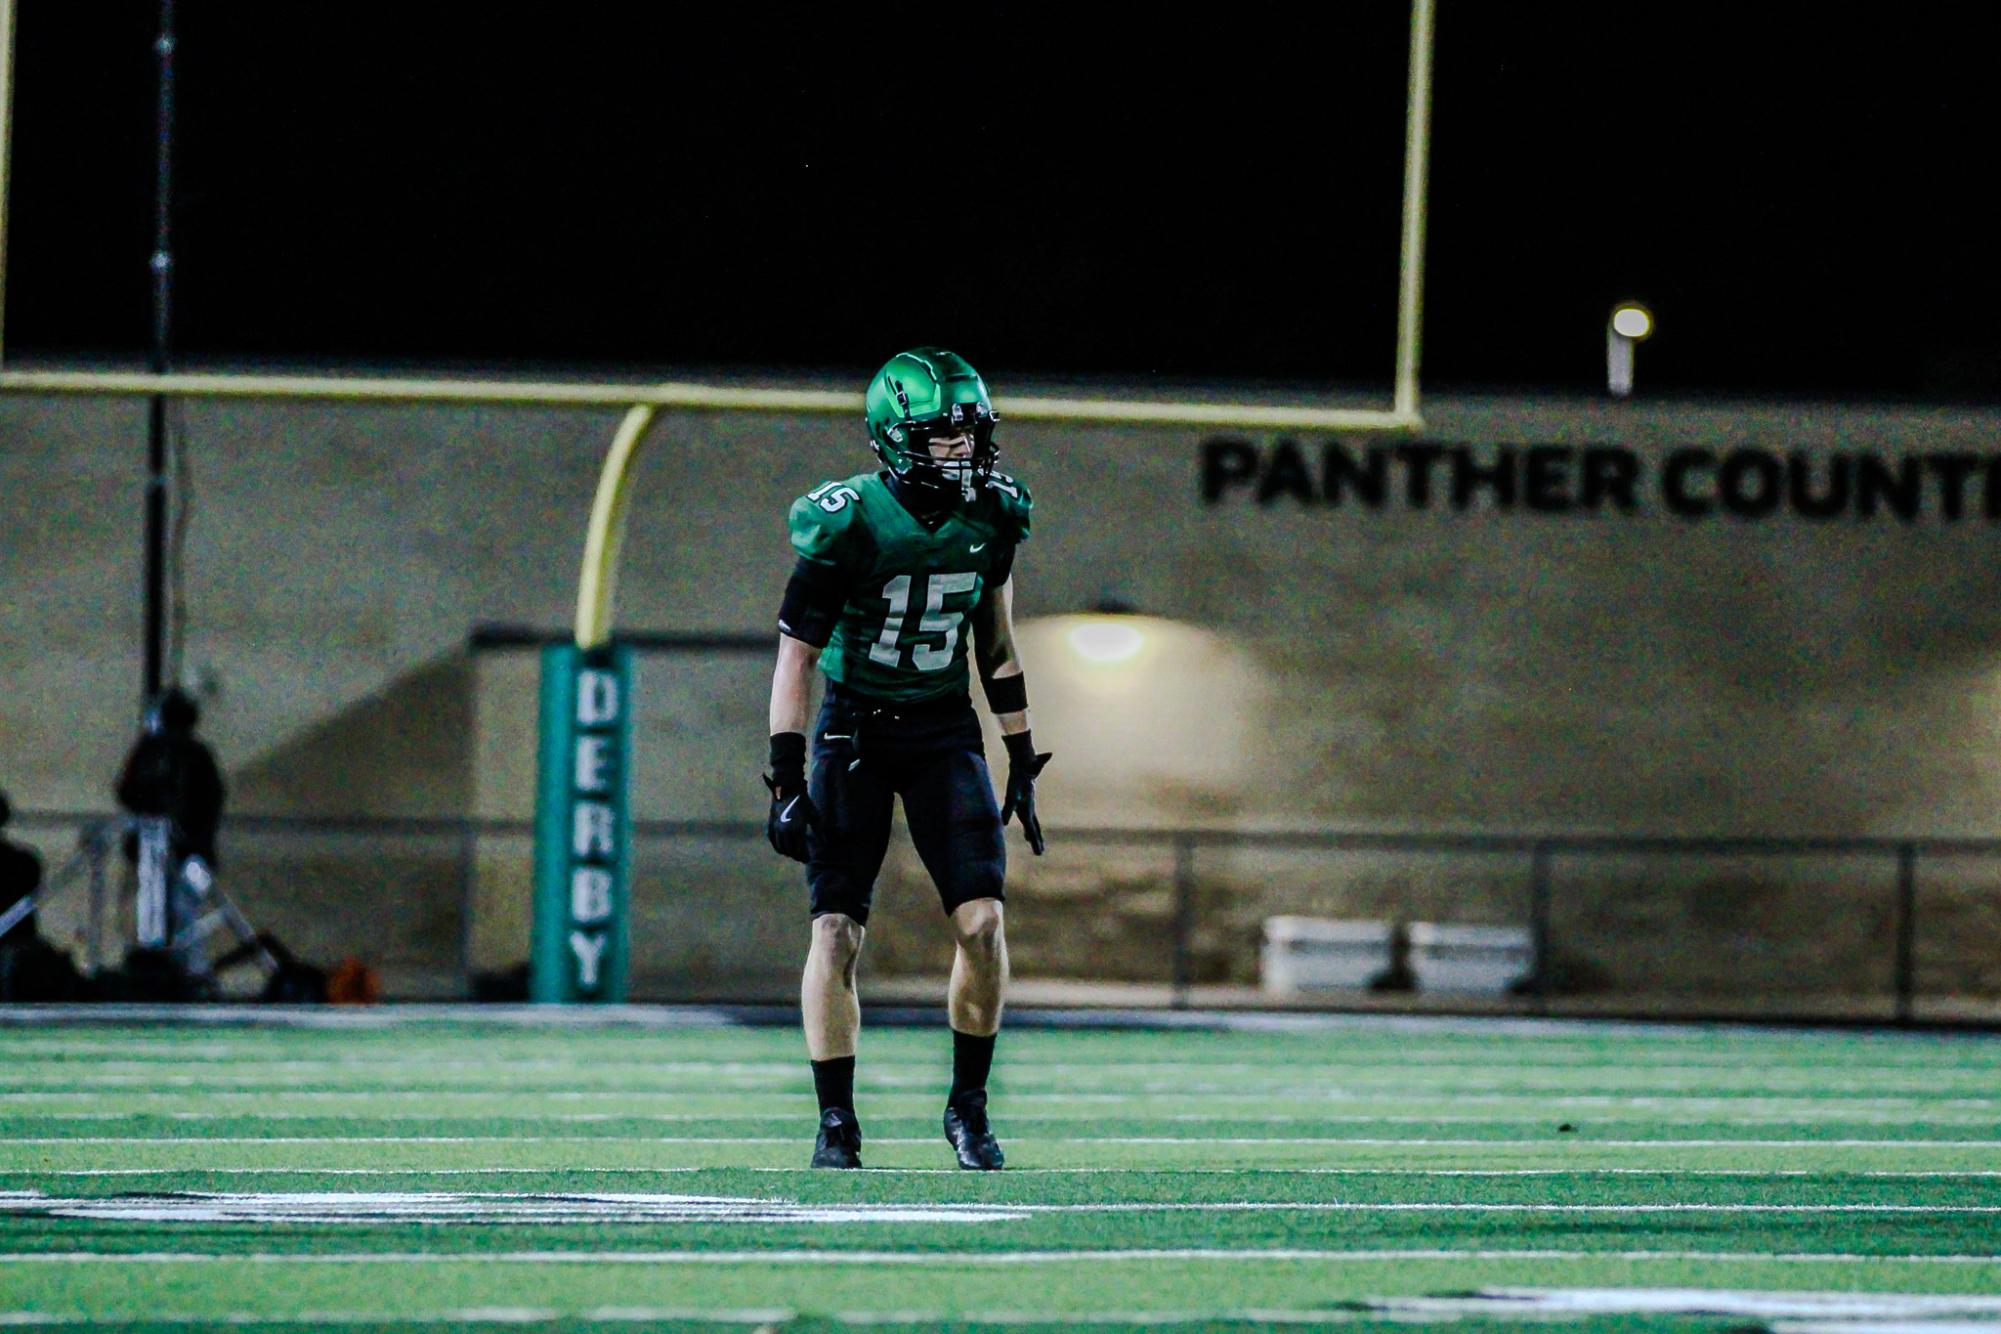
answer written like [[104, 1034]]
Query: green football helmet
[[925, 395]]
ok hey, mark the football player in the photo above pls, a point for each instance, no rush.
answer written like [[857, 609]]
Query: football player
[[893, 568]]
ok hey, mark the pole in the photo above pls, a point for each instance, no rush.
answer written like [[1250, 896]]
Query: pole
[[1539, 874], [1618, 363], [6, 145], [1904, 983], [1417, 149], [162, 265], [599, 579], [1184, 921]]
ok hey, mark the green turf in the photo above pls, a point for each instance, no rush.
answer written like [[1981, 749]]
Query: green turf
[[1248, 1179]]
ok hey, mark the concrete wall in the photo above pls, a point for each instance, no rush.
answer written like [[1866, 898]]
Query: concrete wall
[[1397, 666]]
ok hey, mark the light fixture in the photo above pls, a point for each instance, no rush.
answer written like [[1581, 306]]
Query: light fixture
[[1633, 321], [1106, 640]]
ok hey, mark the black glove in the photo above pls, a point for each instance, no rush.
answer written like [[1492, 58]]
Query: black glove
[[1023, 764], [792, 813]]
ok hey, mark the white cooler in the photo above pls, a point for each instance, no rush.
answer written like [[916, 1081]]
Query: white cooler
[[1475, 960], [1322, 954]]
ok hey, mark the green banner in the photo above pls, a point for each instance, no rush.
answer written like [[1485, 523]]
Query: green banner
[[583, 831]]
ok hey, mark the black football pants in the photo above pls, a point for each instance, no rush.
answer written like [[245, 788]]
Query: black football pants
[[866, 753]]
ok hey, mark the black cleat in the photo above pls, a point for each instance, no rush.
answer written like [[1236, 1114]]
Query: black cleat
[[840, 1141], [967, 1131]]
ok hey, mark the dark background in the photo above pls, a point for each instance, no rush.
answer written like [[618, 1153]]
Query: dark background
[[1796, 189]]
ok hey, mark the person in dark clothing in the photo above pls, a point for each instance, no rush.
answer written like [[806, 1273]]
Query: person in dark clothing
[[170, 781], [171, 772]]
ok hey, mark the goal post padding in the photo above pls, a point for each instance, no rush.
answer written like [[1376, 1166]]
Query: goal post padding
[[583, 825]]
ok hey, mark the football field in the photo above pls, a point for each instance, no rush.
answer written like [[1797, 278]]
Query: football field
[[394, 1168]]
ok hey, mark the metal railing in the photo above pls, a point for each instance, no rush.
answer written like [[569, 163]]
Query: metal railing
[[1541, 852], [1196, 862]]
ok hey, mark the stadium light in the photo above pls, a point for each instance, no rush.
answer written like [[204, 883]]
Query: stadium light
[[1630, 325], [1634, 322]]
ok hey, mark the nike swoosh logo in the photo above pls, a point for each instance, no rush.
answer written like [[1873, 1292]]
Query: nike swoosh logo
[[785, 816], [979, 546]]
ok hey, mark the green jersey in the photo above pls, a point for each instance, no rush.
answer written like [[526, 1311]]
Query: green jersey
[[902, 633]]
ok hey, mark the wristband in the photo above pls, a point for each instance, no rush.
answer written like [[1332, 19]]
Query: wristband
[[788, 758], [1006, 694], [1020, 748]]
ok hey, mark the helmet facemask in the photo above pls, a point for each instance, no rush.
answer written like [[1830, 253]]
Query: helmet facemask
[[907, 453]]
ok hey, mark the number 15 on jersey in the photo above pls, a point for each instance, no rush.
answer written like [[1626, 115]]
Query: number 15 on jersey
[[936, 622]]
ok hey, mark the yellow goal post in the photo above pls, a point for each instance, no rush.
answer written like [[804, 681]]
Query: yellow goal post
[[583, 832], [642, 401]]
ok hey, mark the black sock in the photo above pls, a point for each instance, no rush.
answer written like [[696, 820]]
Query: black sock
[[972, 1057], [834, 1081]]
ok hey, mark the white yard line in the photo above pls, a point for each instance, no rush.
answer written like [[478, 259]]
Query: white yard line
[[804, 1101], [1546, 1141], [541, 1207], [1885, 1327], [1453, 1207], [491, 1315], [1143, 1319], [481, 1315], [692, 1315], [1543, 1143], [619, 1315], [222, 1085], [643, 1315], [1804, 1073], [1830, 1107], [838, 1257], [1502, 1172], [1555, 1303], [437, 1207]]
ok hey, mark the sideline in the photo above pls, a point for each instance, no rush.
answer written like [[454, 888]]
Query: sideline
[[412, 1014], [838, 1257]]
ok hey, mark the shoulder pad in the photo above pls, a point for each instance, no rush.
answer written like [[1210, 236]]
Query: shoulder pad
[[821, 519], [1014, 503]]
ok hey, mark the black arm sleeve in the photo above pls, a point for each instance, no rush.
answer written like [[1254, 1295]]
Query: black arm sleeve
[[813, 600]]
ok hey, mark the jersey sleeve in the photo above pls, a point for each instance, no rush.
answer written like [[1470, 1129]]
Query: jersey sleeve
[[823, 524], [1016, 507]]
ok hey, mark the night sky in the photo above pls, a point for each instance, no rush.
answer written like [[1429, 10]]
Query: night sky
[[1798, 190]]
